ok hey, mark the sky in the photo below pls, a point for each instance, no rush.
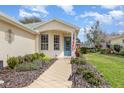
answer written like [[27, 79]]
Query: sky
[[111, 17]]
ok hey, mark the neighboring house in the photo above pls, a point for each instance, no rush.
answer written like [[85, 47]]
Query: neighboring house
[[55, 38], [117, 40]]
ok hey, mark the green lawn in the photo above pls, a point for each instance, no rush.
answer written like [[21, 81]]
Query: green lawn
[[111, 67]]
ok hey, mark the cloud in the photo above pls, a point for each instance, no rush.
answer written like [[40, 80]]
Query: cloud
[[110, 6], [120, 24], [104, 18], [23, 13], [38, 11], [117, 14], [68, 9], [38, 8]]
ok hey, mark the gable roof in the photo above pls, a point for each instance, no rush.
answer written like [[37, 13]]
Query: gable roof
[[16, 23], [31, 27], [38, 24]]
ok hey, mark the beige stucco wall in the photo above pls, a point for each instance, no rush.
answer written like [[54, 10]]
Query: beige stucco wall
[[55, 25], [118, 41], [23, 42], [51, 52]]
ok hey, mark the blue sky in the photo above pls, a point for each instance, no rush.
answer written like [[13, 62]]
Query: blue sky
[[111, 17]]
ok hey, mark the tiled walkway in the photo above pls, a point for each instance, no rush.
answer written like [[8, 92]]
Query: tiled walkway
[[55, 77]]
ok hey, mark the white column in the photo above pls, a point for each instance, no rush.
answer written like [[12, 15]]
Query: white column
[[73, 50], [37, 46]]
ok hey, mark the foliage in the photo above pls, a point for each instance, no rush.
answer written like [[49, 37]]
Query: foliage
[[82, 60], [27, 66], [117, 48], [12, 62], [91, 78], [80, 70], [95, 35], [74, 61], [27, 20], [122, 52], [83, 50], [28, 58], [45, 59], [20, 59]]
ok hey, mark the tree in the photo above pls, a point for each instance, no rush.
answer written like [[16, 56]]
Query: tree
[[95, 35], [26, 20]]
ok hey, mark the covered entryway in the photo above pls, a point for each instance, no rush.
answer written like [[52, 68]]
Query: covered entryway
[[67, 46], [58, 39]]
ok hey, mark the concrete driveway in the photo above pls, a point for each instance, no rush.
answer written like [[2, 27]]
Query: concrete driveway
[[55, 77]]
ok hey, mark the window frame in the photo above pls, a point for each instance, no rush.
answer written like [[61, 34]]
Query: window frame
[[57, 42], [44, 42]]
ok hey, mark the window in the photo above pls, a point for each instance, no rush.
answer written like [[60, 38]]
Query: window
[[56, 42], [44, 42]]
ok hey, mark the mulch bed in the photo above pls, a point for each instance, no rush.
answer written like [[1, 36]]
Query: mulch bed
[[14, 79], [79, 82]]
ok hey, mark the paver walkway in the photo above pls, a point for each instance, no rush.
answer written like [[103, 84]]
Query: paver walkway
[[55, 77]]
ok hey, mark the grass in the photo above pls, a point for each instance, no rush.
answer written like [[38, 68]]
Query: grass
[[111, 67]]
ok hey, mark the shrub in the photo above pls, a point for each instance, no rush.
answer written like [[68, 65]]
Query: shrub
[[35, 56], [91, 78], [122, 52], [42, 54], [117, 48], [12, 62], [82, 60], [45, 58], [91, 50], [74, 61], [83, 50], [103, 51], [28, 58], [94, 81], [80, 70], [20, 59], [27, 66]]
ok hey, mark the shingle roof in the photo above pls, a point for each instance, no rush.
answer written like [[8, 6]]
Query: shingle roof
[[33, 25]]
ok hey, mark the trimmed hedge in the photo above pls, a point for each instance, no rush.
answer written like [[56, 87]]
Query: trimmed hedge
[[29, 58], [12, 62]]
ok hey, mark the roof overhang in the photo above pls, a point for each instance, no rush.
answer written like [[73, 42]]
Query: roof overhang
[[9, 20]]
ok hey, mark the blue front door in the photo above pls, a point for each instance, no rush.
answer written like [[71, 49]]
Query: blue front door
[[67, 46]]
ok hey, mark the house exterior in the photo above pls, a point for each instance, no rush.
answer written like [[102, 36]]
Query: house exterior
[[55, 38], [119, 40]]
